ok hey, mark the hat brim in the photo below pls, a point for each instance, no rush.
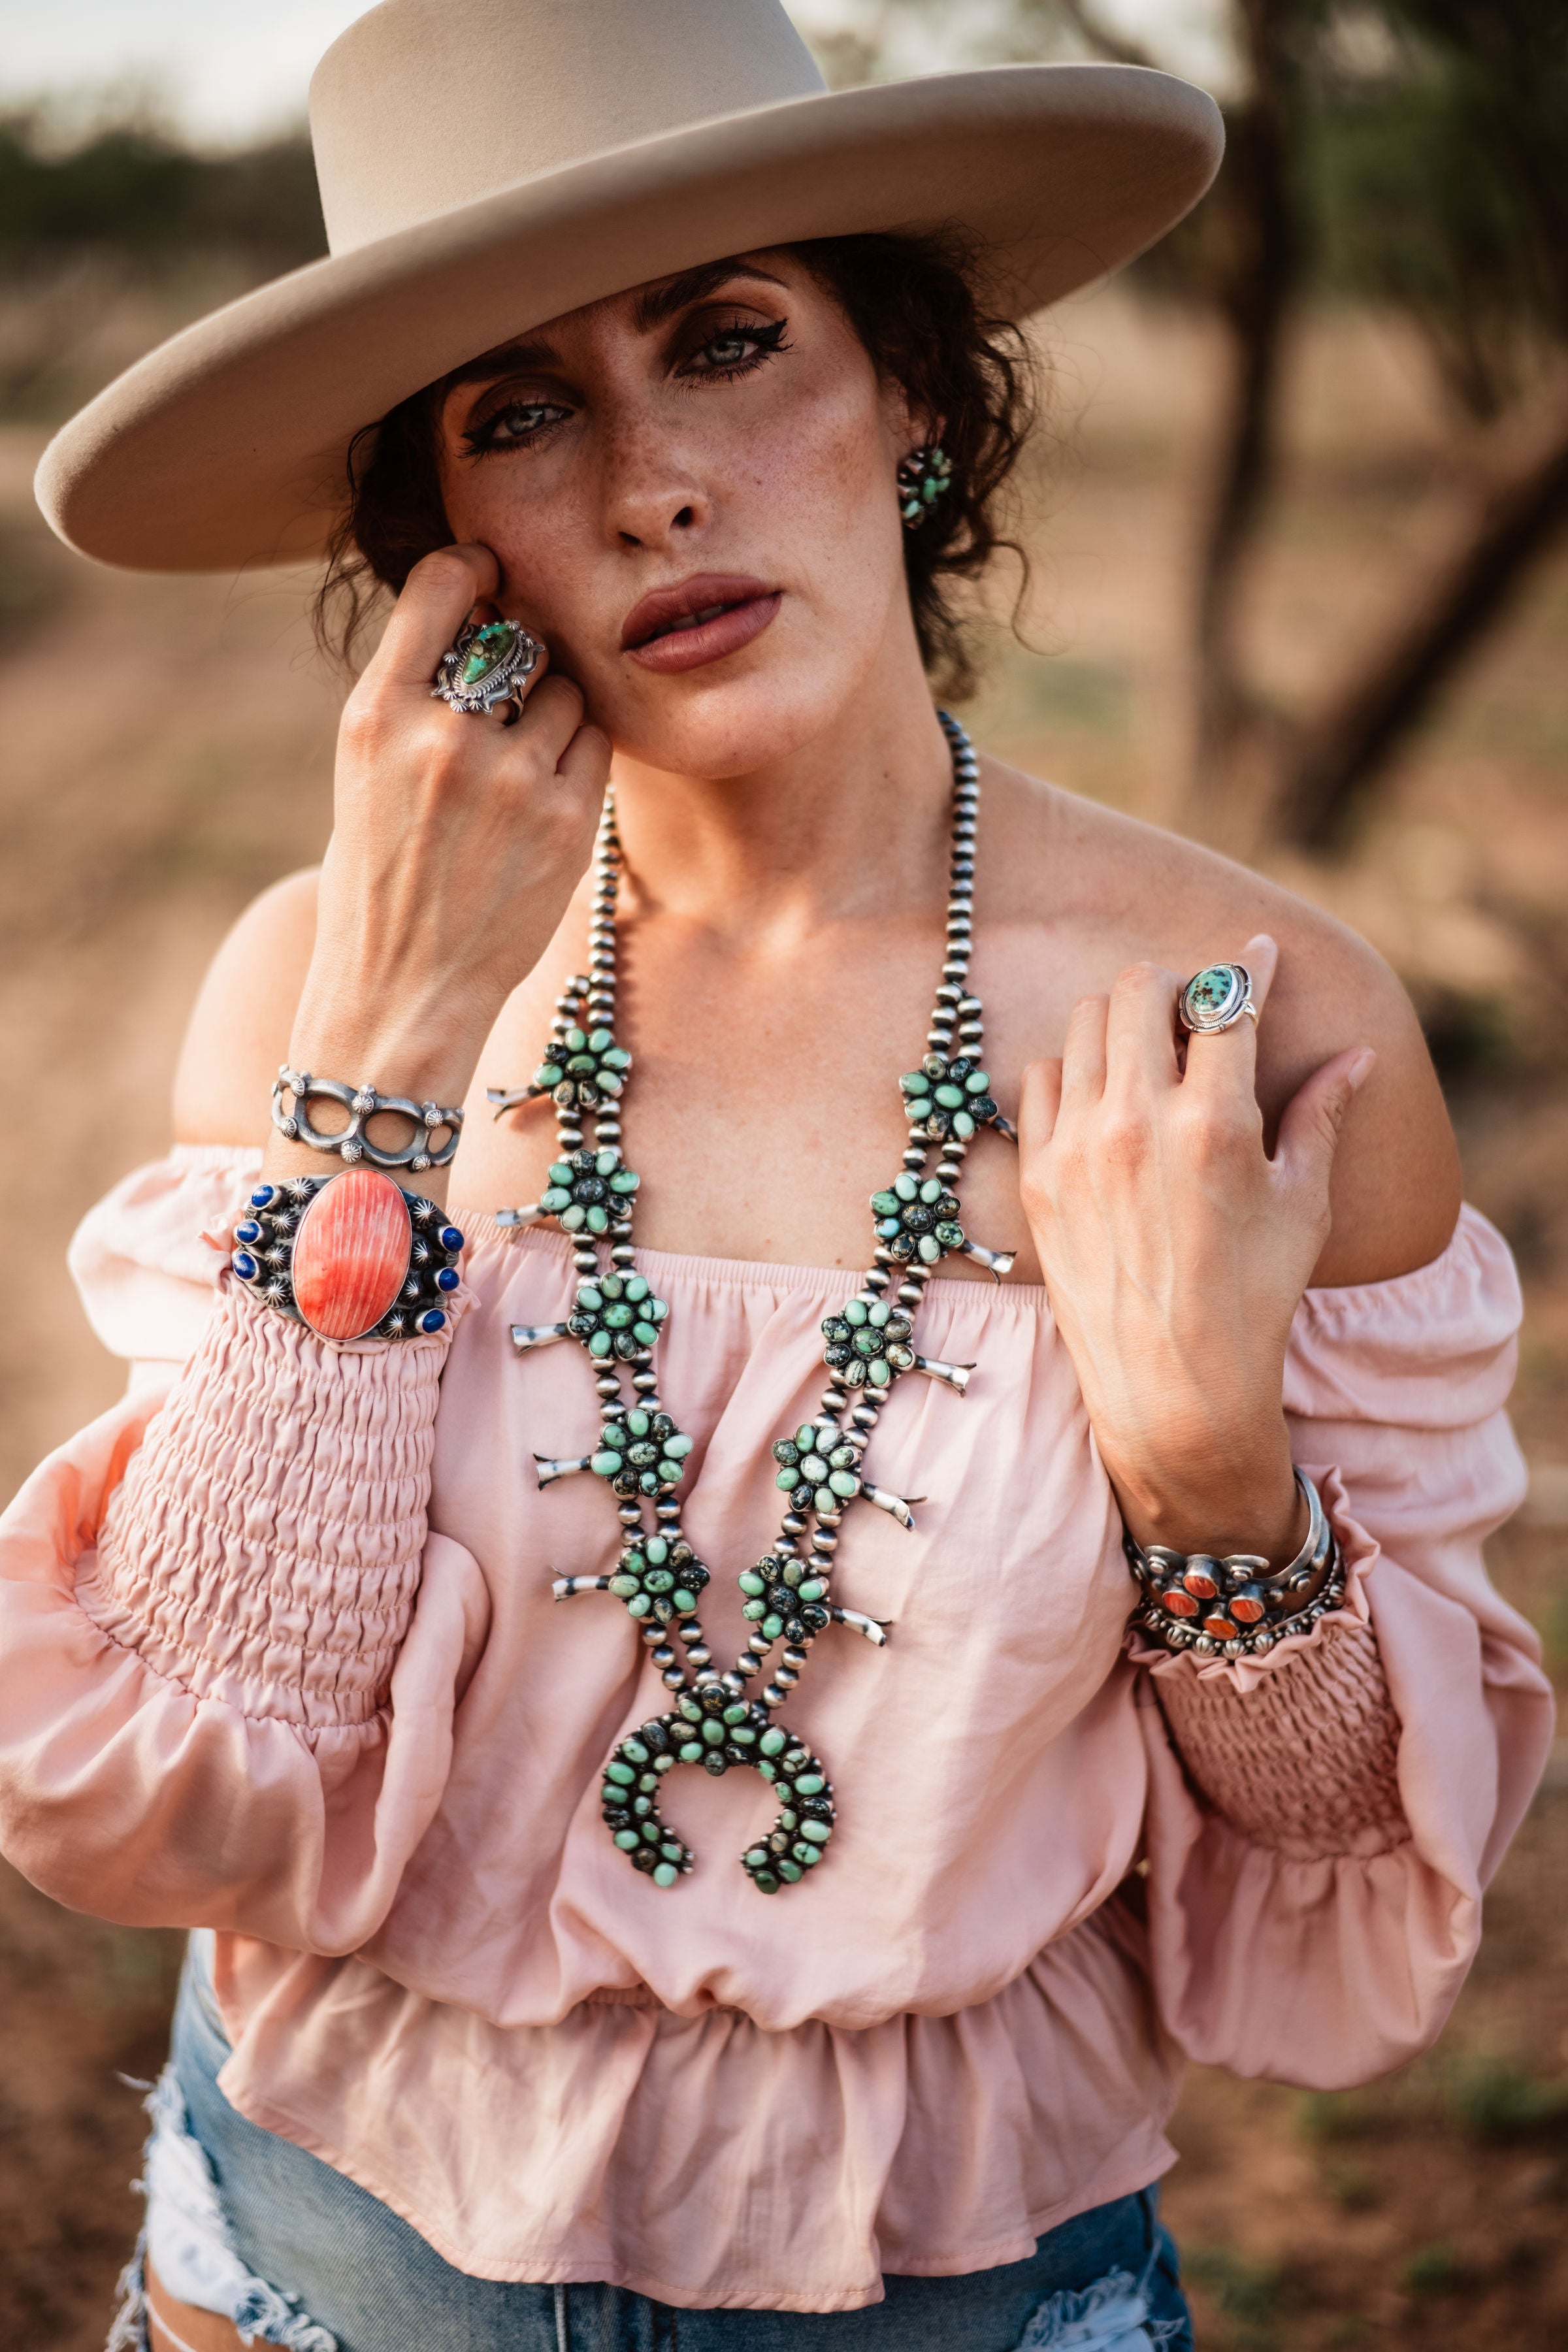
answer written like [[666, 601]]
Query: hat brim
[[226, 446]]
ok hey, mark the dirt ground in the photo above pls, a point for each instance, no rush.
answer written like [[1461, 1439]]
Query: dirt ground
[[166, 750]]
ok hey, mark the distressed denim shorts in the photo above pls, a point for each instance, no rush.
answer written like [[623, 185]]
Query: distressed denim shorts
[[242, 2222]]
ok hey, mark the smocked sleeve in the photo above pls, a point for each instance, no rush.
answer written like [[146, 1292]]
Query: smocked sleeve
[[1322, 1821], [230, 1650]]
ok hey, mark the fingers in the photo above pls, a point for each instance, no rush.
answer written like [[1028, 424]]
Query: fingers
[[1040, 1100], [1223, 1063], [586, 758], [551, 716], [1314, 1117], [1141, 1029], [1083, 1053], [437, 597]]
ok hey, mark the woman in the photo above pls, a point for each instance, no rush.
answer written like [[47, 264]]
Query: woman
[[508, 2022]]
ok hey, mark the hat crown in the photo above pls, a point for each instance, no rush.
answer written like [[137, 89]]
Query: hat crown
[[422, 105]]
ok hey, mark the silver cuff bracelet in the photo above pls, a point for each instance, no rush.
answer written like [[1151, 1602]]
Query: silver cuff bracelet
[[1237, 1606], [351, 1143]]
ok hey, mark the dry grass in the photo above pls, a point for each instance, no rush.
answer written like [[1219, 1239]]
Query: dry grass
[[167, 750]]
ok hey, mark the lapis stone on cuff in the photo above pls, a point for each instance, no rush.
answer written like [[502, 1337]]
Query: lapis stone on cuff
[[433, 1321], [448, 1278], [450, 1238], [245, 1265]]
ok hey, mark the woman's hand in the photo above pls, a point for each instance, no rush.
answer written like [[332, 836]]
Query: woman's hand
[[1175, 1253], [456, 845]]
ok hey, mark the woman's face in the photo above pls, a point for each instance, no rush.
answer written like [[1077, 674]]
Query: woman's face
[[690, 488]]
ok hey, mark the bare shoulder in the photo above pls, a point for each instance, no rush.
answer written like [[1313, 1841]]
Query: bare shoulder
[[1116, 891], [240, 1030]]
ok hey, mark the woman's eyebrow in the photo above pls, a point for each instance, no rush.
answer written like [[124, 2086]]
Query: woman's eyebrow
[[658, 303], [509, 359], [653, 305]]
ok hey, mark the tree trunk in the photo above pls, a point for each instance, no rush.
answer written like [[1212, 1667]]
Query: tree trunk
[[1254, 298], [1335, 754]]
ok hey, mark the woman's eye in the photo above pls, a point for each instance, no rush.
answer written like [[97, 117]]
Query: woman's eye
[[508, 428], [733, 350]]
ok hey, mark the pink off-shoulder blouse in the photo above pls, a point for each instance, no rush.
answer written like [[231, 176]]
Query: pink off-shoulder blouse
[[278, 1656]]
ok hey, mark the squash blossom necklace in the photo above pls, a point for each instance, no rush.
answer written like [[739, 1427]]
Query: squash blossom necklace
[[641, 1453]]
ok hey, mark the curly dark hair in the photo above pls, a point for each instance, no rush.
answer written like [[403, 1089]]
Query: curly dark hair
[[914, 302]]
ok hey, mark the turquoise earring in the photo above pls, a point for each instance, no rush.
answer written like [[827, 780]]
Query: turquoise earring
[[925, 476]]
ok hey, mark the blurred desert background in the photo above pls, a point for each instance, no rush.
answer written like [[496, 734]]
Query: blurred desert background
[[1300, 585]]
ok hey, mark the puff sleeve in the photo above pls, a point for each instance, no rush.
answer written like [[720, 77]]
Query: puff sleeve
[[230, 1649], [1322, 1821]]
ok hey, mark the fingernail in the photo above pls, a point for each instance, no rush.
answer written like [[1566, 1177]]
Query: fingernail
[[1361, 1068], [1259, 939]]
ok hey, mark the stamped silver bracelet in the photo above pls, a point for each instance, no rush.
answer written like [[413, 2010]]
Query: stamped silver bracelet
[[1235, 1605], [291, 1118]]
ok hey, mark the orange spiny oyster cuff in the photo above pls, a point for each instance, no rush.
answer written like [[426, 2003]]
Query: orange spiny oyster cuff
[[351, 1256], [1235, 1606]]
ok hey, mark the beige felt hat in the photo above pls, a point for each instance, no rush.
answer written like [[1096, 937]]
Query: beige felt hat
[[487, 165]]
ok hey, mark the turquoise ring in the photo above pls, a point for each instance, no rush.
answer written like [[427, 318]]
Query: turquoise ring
[[489, 664], [1216, 998]]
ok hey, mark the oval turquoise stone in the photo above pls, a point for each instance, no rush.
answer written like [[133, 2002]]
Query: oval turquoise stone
[[666, 1874], [810, 1784], [691, 1751], [771, 1741], [489, 649], [627, 1840], [817, 1832]]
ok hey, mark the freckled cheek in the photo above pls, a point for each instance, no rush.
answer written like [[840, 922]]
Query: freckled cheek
[[810, 490], [547, 547]]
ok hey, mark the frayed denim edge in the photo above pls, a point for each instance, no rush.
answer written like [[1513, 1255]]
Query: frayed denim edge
[[1112, 2315], [261, 2313]]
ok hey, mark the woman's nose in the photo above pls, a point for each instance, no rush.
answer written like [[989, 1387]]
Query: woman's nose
[[652, 503]]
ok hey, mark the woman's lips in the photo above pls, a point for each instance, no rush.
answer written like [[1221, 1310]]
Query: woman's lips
[[700, 622]]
